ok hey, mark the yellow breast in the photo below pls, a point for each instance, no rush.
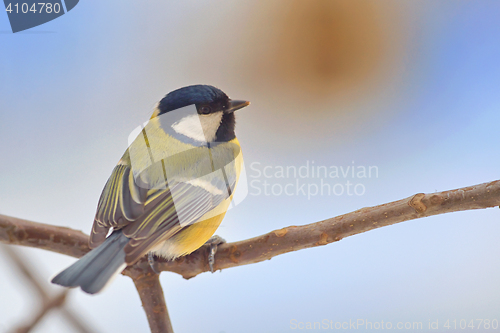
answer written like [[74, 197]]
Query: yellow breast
[[194, 236]]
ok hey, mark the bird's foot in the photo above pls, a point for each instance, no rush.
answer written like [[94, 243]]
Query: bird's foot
[[151, 262], [213, 242]]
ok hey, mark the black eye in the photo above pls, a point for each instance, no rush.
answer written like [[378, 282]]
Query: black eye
[[205, 109]]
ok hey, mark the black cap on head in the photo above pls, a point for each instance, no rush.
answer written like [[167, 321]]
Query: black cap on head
[[208, 99], [197, 94]]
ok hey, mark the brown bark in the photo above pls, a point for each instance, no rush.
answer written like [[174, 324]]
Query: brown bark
[[43, 236], [295, 238], [153, 301]]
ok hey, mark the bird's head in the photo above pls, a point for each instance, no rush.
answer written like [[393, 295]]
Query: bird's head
[[214, 112]]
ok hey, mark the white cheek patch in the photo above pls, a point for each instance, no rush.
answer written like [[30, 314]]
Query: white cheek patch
[[201, 128]]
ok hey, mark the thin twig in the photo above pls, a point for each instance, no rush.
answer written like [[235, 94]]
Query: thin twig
[[51, 304], [75, 321], [28, 273], [47, 301]]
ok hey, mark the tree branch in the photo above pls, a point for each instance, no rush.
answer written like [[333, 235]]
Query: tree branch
[[296, 238], [53, 303], [48, 302], [151, 294], [264, 247], [257, 249], [43, 236]]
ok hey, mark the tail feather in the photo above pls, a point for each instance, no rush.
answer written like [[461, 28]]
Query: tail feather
[[93, 271]]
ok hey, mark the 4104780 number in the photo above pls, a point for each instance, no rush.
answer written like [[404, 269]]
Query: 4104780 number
[[36, 8], [480, 324]]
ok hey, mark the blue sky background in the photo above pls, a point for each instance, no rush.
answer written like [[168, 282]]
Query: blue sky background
[[426, 115]]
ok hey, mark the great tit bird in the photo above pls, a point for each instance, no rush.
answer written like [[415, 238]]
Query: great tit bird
[[170, 190]]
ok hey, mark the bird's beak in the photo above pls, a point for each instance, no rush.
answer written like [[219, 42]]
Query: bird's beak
[[236, 105]]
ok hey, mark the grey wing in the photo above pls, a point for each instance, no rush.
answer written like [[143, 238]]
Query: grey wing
[[121, 202], [149, 216]]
